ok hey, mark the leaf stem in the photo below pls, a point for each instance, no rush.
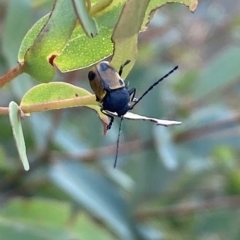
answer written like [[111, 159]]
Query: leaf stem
[[60, 104], [9, 76]]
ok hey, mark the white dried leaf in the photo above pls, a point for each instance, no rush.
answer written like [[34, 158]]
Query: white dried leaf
[[133, 116]]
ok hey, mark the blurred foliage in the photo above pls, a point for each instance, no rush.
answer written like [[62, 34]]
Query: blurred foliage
[[181, 182]]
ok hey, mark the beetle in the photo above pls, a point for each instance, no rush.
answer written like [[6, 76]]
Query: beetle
[[113, 94], [110, 89]]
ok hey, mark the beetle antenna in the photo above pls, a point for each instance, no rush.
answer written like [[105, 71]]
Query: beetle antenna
[[122, 66], [118, 139], [154, 84]]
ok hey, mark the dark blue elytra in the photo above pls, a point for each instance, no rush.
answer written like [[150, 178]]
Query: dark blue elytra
[[117, 100]]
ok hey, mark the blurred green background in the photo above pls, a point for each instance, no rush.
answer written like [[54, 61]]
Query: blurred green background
[[180, 182]]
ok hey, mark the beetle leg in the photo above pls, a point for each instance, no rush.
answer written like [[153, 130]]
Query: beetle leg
[[132, 93], [111, 120], [122, 66], [110, 123]]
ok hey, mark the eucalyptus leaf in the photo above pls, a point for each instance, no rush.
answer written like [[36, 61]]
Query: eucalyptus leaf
[[95, 194], [125, 34], [15, 120], [166, 148], [39, 58], [88, 24], [60, 95], [135, 17]]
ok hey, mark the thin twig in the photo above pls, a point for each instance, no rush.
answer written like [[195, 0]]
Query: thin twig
[[207, 129], [191, 208], [8, 77], [4, 110], [92, 155], [226, 89]]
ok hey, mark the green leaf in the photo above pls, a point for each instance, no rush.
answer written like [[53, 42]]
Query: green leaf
[[31, 35], [134, 17], [88, 230], [55, 39], [55, 91], [78, 52], [125, 34], [81, 51], [166, 148], [39, 59], [107, 12], [38, 210], [18, 133], [88, 24], [46, 219], [95, 194], [211, 78], [58, 95], [155, 4], [35, 219]]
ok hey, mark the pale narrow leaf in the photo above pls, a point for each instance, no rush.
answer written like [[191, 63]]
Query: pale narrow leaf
[[133, 116], [18, 133]]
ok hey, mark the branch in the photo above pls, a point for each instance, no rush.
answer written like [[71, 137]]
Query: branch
[[207, 129], [93, 155], [8, 77], [4, 110], [192, 208]]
